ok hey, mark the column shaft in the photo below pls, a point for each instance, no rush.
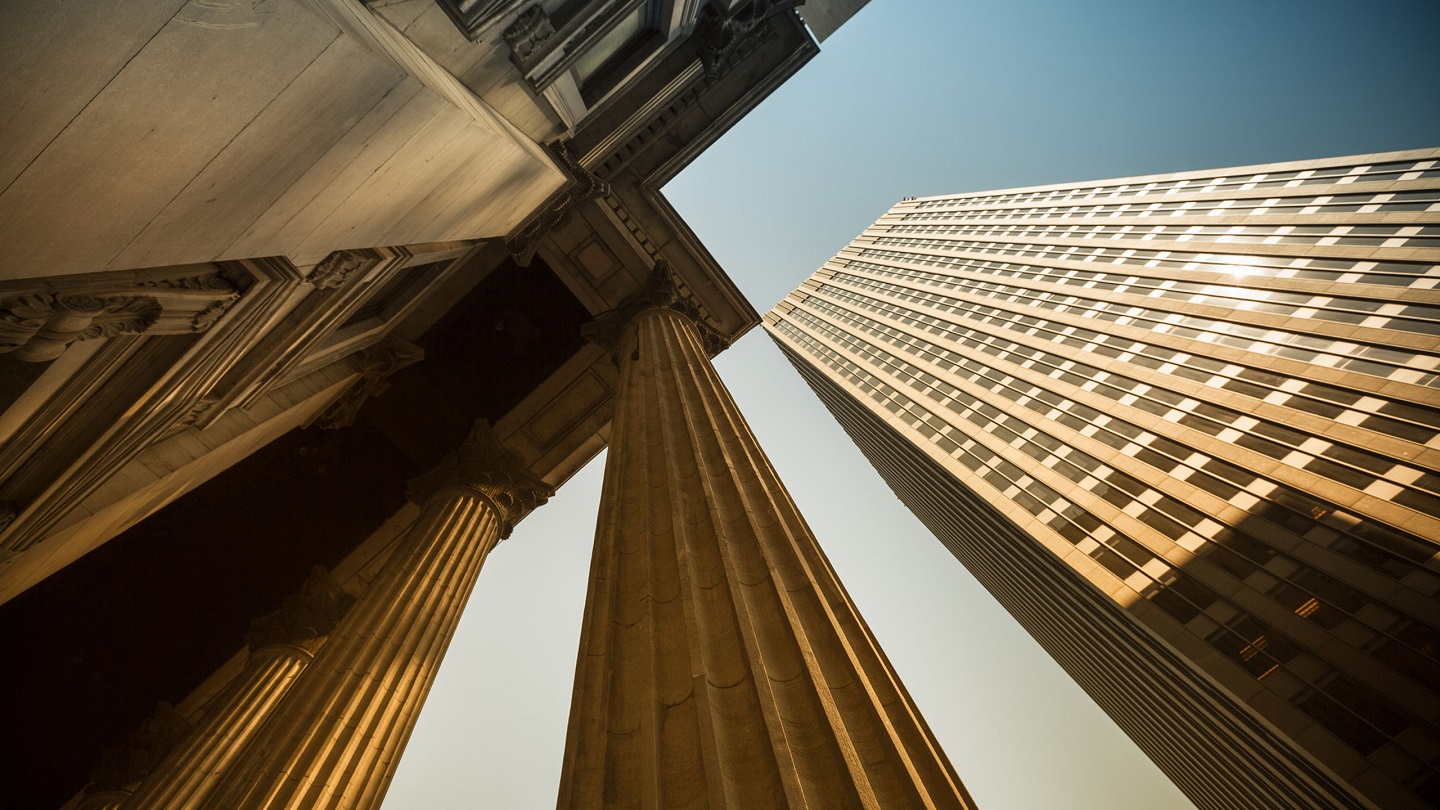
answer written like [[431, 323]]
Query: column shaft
[[722, 663], [192, 770], [281, 644], [334, 739]]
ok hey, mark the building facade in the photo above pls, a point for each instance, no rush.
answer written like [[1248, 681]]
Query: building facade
[[300, 307], [1186, 428]]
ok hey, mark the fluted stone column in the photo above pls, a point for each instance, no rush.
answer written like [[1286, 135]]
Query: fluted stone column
[[122, 768], [333, 741], [722, 663], [281, 645]]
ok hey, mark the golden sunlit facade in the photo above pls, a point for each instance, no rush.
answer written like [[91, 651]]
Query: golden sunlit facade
[[1186, 428]]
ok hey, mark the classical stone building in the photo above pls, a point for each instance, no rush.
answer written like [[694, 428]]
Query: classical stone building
[[225, 228], [1186, 429]]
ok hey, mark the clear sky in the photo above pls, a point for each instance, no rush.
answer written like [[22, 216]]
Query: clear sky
[[913, 98]]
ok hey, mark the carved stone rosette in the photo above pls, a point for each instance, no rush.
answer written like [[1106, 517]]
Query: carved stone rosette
[[480, 463], [378, 363]]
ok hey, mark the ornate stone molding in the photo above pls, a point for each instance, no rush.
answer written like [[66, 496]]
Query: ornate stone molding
[[303, 617], [481, 463], [122, 767], [200, 282], [722, 39], [661, 291], [39, 326], [197, 411], [334, 270], [585, 186], [378, 363], [527, 36], [208, 316]]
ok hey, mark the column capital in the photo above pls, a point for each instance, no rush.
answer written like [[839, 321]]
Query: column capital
[[482, 464], [122, 767], [660, 292], [304, 617]]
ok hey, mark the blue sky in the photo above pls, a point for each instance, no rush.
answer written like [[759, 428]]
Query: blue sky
[[912, 98]]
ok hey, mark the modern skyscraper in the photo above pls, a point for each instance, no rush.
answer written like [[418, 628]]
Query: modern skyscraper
[[1186, 428]]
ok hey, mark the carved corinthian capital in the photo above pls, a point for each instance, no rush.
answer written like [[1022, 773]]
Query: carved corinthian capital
[[304, 617], [480, 463], [660, 291], [122, 767]]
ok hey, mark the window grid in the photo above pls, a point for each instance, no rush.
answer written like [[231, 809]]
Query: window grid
[[1250, 643], [1260, 383], [1330, 175], [1349, 465], [1411, 422], [1420, 275], [1372, 360], [1397, 235], [1301, 514], [1180, 460], [1374, 313], [1385, 202]]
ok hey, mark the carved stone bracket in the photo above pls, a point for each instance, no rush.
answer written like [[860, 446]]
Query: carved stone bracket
[[585, 186], [303, 617], [40, 326], [122, 767], [722, 39], [481, 463], [208, 316], [197, 411], [660, 291], [527, 36], [334, 270], [379, 362]]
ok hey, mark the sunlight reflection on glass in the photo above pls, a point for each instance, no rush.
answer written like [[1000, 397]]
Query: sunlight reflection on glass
[[1239, 266]]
